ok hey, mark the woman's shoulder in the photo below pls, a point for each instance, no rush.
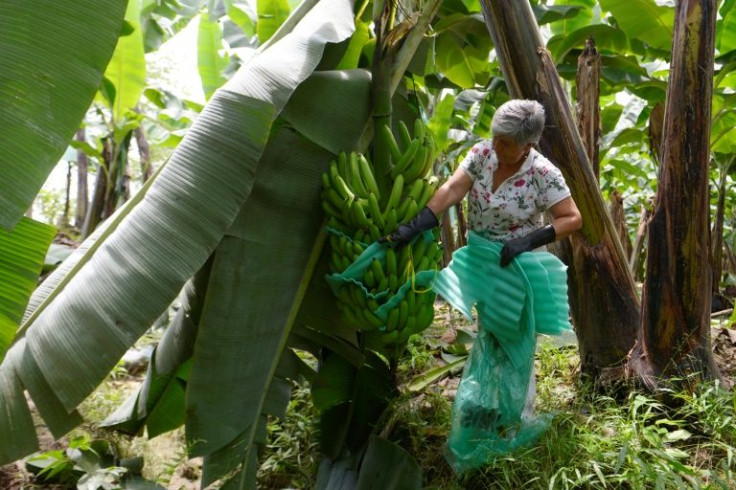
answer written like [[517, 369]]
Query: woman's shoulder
[[541, 166], [482, 146]]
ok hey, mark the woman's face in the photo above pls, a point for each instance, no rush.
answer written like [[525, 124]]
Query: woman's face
[[508, 151]]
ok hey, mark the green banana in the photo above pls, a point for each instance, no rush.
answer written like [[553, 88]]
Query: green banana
[[375, 211], [329, 209], [358, 249], [392, 320], [326, 181], [419, 129], [413, 170], [342, 165], [358, 211], [416, 188], [372, 319], [411, 299], [411, 211], [390, 337], [369, 279], [404, 136], [402, 210], [366, 172], [385, 133], [350, 316], [339, 184], [377, 269], [391, 263], [391, 221], [403, 313], [426, 194], [374, 232], [407, 158], [356, 179], [418, 251], [331, 196], [358, 297], [393, 199]]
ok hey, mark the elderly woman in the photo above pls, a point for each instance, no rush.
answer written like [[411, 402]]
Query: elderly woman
[[510, 185]]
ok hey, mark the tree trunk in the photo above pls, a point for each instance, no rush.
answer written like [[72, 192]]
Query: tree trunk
[[64, 218], [587, 110], [618, 215], [603, 299], [82, 172], [96, 207], [716, 259], [635, 257], [462, 226], [448, 238], [656, 122], [144, 150], [675, 322]]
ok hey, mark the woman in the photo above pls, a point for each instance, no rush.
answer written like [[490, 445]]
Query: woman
[[510, 184]]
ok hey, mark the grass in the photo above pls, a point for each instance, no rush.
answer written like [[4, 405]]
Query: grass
[[593, 442]]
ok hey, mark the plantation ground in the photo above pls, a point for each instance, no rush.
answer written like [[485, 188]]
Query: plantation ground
[[594, 441]]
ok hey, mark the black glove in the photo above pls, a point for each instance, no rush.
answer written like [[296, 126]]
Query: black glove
[[424, 220], [526, 243]]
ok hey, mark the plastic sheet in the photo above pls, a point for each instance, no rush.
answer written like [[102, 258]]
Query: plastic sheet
[[514, 304]]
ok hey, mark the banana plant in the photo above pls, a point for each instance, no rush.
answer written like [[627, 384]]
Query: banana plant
[[50, 80], [179, 218]]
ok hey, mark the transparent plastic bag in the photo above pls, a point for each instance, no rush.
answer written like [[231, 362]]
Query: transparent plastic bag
[[492, 412]]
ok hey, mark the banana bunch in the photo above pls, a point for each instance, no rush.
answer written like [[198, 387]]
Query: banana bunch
[[362, 213], [352, 200]]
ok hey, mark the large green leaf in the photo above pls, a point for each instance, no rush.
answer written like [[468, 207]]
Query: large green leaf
[[607, 38], [51, 63], [726, 28], [271, 15], [582, 15], [210, 61], [643, 20], [145, 254], [21, 260], [127, 68]]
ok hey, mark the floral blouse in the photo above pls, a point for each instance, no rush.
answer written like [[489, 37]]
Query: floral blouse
[[516, 207]]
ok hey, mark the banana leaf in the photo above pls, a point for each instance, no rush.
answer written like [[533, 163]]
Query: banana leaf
[[24, 250], [51, 64], [383, 465], [145, 254]]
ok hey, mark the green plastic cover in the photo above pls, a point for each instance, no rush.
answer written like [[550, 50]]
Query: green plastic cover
[[514, 304]]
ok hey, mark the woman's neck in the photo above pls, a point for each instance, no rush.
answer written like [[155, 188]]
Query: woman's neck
[[515, 166]]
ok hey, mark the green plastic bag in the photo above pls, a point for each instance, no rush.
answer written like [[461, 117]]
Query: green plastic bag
[[492, 412]]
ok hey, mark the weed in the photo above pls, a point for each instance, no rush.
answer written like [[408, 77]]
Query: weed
[[291, 456]]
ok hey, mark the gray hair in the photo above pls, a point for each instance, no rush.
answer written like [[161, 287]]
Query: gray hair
[[520, 119]]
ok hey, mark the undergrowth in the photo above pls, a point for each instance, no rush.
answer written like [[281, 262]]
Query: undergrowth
[[595, 441]]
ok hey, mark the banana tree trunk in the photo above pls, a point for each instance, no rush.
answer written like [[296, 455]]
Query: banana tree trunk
[[716, 261], [638, 246], [588, 84], [97, 206], [82, 173], [144, 150], [603, 297], [618, 215], [675, 321]]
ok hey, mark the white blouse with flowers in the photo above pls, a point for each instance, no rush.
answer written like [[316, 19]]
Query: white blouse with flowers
[[516, 207]]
